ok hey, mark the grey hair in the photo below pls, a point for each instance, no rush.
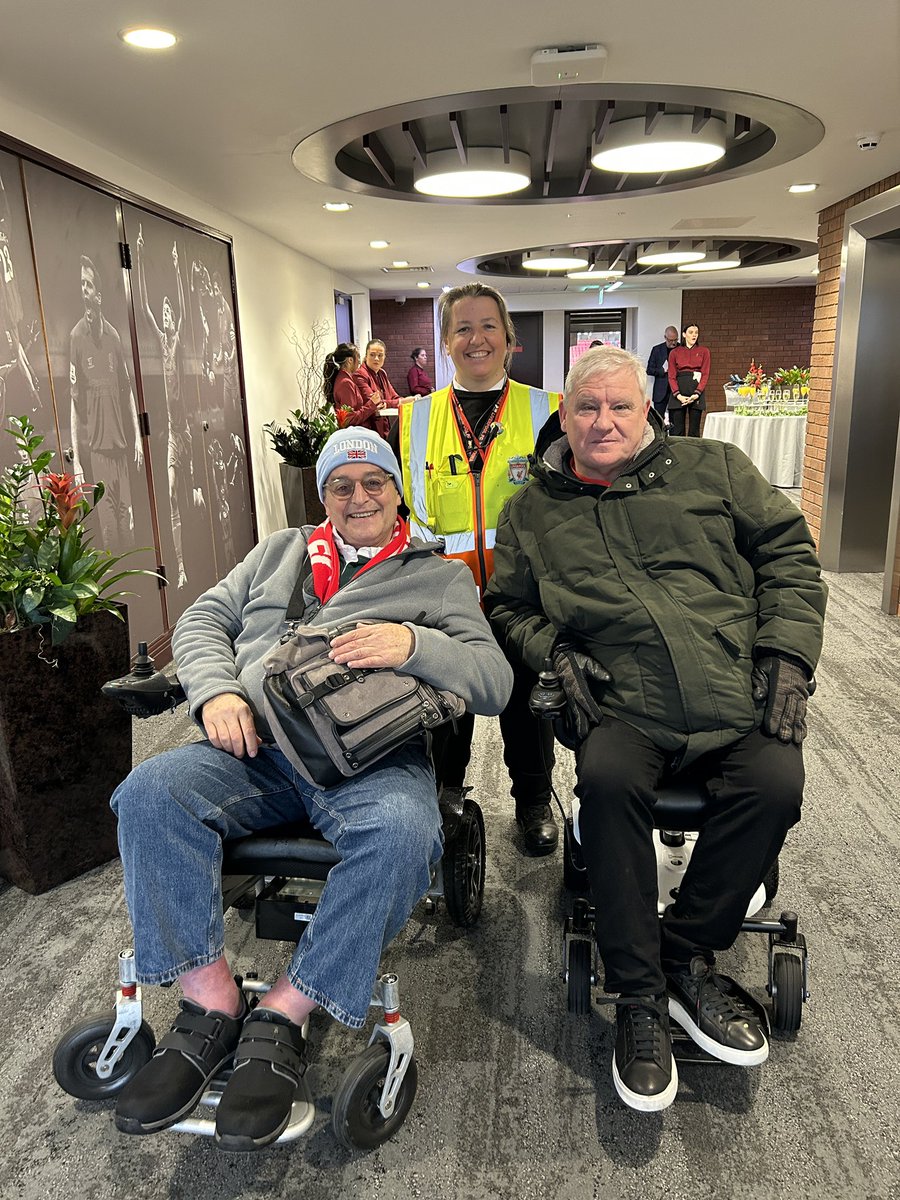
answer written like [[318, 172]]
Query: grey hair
[[602, 361]]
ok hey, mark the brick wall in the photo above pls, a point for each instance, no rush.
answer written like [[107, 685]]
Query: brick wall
[[770, 325], [831, 228], [402, 327]]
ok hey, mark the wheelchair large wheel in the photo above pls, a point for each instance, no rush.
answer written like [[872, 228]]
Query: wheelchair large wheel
[[787, 992], [77, 1051], [356, 1118], [578, 974], [464, 867]]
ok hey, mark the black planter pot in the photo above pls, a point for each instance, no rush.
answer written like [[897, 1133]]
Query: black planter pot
[[63, 750], [302, 505]]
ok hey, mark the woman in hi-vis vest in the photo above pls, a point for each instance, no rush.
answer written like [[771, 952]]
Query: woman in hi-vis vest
[[464, 451]]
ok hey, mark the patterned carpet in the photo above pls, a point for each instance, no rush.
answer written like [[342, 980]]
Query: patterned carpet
[[515, 1097]]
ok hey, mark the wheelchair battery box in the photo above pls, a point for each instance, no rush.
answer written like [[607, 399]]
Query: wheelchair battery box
[[282, 917]]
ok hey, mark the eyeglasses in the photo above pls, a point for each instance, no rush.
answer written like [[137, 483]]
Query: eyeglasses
[[343, 489]]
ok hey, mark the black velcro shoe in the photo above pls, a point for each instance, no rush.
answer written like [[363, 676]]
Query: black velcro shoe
[[268, 1065], [194, 1050], [538, 828], [644, 1073], [708, 1007]]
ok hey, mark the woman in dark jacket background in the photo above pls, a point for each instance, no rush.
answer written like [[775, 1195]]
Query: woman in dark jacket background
[[417, 377]]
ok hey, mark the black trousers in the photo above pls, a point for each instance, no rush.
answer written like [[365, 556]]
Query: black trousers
[[677, 420], [755, 787], [527, 746]]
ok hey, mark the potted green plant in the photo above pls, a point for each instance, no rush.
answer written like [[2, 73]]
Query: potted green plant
[[63, 633], [300, 438]]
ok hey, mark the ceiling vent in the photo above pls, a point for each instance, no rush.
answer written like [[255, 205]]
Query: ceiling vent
[[406, 270]]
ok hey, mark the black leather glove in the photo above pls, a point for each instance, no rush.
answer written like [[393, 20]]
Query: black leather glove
[[781, 681], [576, 671]]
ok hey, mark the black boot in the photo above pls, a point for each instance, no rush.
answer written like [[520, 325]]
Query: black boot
[[539, 831]]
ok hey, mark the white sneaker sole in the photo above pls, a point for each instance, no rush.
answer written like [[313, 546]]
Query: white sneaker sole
[[645, 1103], [737, 1058]]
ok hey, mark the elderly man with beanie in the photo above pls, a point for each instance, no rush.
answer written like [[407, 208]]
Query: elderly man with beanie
[[175, 810]]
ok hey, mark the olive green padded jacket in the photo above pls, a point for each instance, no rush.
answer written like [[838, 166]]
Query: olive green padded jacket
[[674, 578]]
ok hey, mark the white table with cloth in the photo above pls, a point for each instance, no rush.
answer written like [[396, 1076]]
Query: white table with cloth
[[774, 444]]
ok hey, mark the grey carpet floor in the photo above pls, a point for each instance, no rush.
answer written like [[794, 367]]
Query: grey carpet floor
[[515, 1097]]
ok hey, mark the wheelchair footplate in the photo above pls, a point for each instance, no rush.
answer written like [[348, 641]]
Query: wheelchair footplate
[[685, 1049], [303, 1111]]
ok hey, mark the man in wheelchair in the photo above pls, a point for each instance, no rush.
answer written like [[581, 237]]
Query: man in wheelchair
[[678, 597], [175, 810]]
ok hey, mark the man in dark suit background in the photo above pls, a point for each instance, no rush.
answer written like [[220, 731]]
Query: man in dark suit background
[[657, 368]]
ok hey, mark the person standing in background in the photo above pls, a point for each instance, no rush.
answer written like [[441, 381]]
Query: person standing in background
[[416, 377], [688, 375], [371, 378], [341, 390], [658, 368]]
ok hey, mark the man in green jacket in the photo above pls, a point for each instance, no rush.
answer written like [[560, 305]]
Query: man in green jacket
[[678, 595]]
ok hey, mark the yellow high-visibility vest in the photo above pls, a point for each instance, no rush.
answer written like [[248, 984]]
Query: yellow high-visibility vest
[[445, 497]]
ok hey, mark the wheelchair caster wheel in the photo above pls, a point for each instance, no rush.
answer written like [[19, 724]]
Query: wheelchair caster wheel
[[464, 868], [578, 977], [356, 1117], [787, 993], [77, 1051]]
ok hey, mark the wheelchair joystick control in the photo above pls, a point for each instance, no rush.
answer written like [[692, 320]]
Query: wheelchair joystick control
[[547, 701], [144, 691], [142, 663]]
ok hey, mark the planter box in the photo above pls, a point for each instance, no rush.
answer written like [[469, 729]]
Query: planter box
[[302, 505], [63, 750]]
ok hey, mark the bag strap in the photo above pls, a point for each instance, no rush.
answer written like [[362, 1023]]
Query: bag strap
[[296, 607]]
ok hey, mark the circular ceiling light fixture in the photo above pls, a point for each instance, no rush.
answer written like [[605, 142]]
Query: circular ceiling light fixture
[[379, 244], [596, 272], [423, 283], [484, 173], [148, 39], [658, 254], [713, 262], [554, 260], [337, 206], [671, 146], [796, 188]]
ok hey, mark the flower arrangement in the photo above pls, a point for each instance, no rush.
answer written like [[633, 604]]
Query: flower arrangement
[[50, 574], [791, 377], [755, 375]]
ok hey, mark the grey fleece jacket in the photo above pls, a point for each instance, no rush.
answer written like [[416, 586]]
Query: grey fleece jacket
[[221, 640]]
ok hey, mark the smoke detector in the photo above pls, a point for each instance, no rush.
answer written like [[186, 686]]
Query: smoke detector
[[568, 64]]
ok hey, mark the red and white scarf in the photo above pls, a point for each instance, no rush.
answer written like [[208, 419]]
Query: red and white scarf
[[325, 557]]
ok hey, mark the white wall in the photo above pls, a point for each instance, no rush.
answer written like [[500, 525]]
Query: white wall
[[276, 288], [650, 311]]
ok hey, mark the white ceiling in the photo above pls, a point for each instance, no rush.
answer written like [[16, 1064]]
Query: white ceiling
[[220, 114]]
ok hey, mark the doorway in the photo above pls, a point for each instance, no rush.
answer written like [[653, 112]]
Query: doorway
[[860, 525], [343, 317], [528, 354]]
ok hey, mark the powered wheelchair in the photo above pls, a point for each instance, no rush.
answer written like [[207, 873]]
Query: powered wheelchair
[[680, 810], [276, 876]]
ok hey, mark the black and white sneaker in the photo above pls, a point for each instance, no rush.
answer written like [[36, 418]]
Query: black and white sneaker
[[644, 1073], [708, 1007]]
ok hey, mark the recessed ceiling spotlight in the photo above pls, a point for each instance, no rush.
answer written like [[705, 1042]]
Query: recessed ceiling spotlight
[[658, 254], [337, 206], [554, 260], [671, 146], [399, 263], [484, 173], [379, 245], [148, 39], [446, 287], [596, 272], [423, 283], [803, 187], [713, 262]]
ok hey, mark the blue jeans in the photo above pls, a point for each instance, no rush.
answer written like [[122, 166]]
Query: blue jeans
[[175, 811]]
